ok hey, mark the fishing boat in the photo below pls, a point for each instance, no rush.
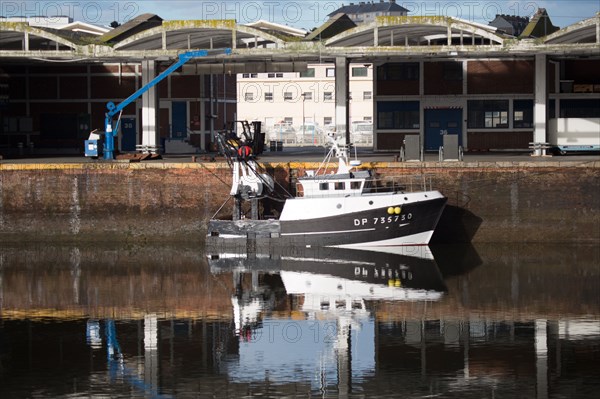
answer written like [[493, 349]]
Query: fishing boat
[[347, 207]]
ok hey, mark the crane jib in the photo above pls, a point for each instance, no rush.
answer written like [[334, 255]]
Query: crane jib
[[113, 109]]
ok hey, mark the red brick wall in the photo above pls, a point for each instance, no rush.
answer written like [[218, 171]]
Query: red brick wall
[[109, 87], [435, 82], [185, 86], [582, 71], [500, 77], [113, 69], [389, 141], [56, 69], [498, 140], [397, 87], [73, 87], [44, 87]]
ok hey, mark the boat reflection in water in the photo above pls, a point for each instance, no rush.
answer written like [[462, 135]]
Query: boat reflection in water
[[171, 321], [329, 339]]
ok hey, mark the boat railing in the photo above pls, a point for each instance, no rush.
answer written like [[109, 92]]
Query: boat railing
[[400, 183], [403, 183]]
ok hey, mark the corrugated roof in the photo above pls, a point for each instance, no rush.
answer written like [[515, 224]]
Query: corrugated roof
[[369, 7], [334, 25], [140, 23], [539, 26]]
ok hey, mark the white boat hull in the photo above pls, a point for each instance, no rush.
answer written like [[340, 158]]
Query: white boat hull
[[393, 219]]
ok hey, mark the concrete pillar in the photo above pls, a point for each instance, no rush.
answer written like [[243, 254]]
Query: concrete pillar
[[541, 99], [150, 110], [342, 97]]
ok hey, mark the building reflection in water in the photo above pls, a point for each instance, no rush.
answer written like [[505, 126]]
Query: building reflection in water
[[172, 321]]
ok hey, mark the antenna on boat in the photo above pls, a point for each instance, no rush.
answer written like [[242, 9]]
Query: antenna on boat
[[339, 149]]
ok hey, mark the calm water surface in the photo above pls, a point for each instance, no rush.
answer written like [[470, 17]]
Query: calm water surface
[[489, 321]]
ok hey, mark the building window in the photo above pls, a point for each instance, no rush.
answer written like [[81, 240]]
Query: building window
[[496, 119], [367, 95], [398, 115], [398, 71], [487, 113], [579, 108], [328, 96], [523, 113], [330, 72], [307, 95], [249, 97], [327, 120], [309, 73], [269, 96], [359, 71], [288, 96]]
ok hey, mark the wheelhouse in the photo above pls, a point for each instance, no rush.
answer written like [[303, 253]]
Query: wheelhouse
[[335, 185]]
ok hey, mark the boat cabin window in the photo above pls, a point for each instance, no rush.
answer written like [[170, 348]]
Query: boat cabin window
[[355, 185], [323, 186], [340, 185]]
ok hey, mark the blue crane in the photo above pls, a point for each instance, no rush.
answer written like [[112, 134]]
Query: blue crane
[[113, 109]]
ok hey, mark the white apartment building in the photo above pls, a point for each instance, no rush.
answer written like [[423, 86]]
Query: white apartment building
[[289, 103]]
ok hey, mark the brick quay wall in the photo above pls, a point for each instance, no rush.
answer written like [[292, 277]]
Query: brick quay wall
[[162, 201]]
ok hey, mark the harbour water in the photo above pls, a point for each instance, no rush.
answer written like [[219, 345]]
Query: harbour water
[[485, 321]]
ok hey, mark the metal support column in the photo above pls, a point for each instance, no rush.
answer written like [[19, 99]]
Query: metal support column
[[150, 107], [342, 97]]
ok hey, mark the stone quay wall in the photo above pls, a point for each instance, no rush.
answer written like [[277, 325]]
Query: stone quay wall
[[161, 201]]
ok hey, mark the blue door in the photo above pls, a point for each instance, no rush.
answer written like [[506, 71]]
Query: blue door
[[179, 121], [128, 134], [439, 122]]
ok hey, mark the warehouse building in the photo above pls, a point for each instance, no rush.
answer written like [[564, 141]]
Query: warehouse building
[[432, 76]]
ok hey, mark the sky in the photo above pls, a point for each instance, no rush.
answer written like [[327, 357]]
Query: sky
[[305, 14]]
